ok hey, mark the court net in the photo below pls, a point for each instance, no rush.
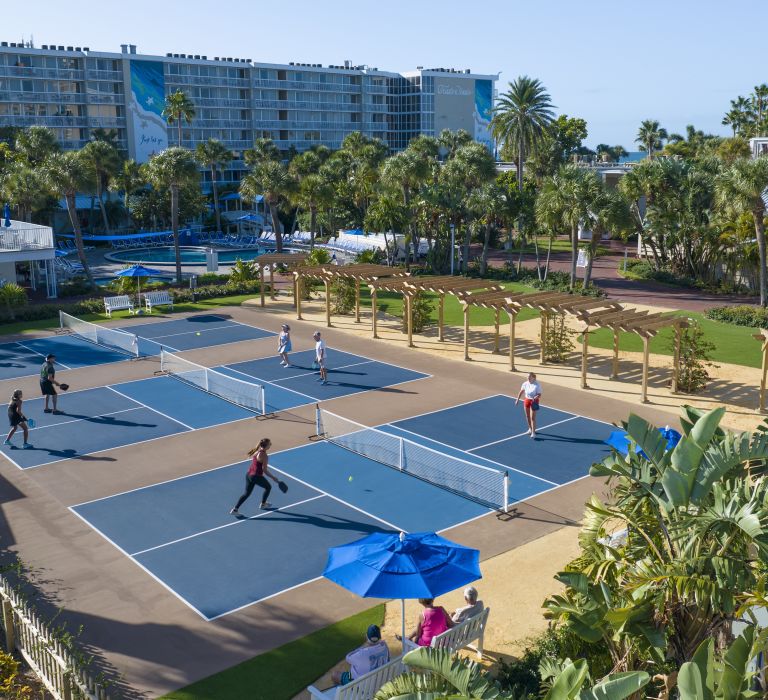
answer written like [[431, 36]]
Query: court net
[[474, 481], [111, 338], [236, 391]]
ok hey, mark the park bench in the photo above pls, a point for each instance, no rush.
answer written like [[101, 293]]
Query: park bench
[[363, 688], [157, 299], [460, 636], [117, 304]]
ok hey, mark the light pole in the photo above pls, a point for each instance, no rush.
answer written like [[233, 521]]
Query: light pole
[[453, 244]]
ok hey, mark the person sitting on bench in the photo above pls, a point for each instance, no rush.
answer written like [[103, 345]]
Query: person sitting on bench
[[366, 658]]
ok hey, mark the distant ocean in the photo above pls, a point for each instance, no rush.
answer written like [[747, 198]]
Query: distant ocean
[[633, 157]]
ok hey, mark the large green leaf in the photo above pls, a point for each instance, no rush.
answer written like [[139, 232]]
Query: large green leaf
[[648, 438], [567, 685], [617, 686], [735, 677], [690, 683]]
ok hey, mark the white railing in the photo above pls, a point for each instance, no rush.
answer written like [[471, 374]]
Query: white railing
[[23, 236], [50, 660]]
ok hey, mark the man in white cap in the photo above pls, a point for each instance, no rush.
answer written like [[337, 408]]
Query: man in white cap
[[321, 357], [473, 606], [372, 655]]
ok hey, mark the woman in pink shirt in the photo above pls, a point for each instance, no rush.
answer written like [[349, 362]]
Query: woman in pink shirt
[[434, 620]]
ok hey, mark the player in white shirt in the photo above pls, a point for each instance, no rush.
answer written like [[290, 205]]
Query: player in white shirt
[[532, 391], [321, 357]]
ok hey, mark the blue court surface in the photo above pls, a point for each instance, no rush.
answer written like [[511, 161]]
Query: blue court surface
[[23, 358], [181, 533]]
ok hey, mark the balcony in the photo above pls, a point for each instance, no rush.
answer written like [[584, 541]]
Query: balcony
[[57, 97], [312, 106], [21, 236], [304, 85], [53, 73]]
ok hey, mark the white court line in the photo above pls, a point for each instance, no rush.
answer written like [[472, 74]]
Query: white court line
[[141, 403], [230, 524], [505, 467], [330, 369], [81, 420], [267, 597], [61, 364], [513, 437], [267, 382]]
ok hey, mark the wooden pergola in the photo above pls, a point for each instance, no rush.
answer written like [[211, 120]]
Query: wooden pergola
[[290, 260], [327, 273], [762, 336]]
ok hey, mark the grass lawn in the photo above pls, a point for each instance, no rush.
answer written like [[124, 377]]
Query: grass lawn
[[733, 344], [284, 672], [392, 304], [22, 327]]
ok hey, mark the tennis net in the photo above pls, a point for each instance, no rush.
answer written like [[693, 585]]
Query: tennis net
[[236, 391], [474, 481], [111, 338]]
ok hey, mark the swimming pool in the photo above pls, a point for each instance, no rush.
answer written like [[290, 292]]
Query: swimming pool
[[190, 255]]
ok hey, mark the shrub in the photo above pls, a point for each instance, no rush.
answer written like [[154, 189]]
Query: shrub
[[556, 281], [75, 287], [211, 278], [695, 357], [421, 310], [244, 271], [12, 683], [12, 297], [343, 296], [752, 316], [374, 256], [559, 339]]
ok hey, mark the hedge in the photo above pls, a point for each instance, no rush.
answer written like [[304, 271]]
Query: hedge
[[751, 316]]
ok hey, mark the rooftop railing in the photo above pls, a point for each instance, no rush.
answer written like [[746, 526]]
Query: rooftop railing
[[23, 236]]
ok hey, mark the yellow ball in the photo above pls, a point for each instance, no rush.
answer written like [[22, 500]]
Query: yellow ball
[[350, 478], [198, 333]]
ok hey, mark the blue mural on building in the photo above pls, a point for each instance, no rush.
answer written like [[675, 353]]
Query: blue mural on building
[[483, 112], [145, 105]]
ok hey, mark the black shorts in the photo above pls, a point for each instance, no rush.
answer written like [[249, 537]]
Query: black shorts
[[46, 386], [14, 419]]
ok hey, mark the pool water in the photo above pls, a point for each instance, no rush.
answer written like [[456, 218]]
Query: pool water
[[164, 255]]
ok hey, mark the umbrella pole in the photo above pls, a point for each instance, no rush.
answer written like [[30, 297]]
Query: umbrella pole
[[402, 621]]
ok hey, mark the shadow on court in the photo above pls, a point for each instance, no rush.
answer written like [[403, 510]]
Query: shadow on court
[[109, 420], [321, 520]]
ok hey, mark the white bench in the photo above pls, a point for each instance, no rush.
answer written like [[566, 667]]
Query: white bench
[[117, 303], [363, 688], [157, 299], [460, 635]]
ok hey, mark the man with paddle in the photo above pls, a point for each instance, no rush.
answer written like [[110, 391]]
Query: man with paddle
[[48, 384]]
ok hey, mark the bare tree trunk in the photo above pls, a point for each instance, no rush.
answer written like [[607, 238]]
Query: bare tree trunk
[[216, 199], [592, 253], [484, 258], [312, 226], [467, 241], [546, 263], [175, 228], [100, 194], [760, 233], [574, 255], [276, 227], [72, 210]]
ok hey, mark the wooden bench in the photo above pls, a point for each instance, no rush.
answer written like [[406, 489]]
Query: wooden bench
[[363, 688], [157, 299], [460, 636], [117, 304]]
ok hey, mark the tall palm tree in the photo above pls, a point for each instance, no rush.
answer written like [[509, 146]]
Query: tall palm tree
[[178, 109], [760, 106], [263, 150], [521, 119], [213, 154], [24, 188], [36, 143], [271, 180], [171, 170], [313, 193], [452, 141], [128, 179], [740, 189], [65, 175], [650, 136], [104, 161], [386, 214], [487, 205]]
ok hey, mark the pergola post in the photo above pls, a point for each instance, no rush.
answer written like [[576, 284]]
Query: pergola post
[[374, 309], [298, 296], [497, 318], [409, 312], [676, 361], [584, 357], [440, 317], [357, 300], [295, 295], [512, 318], [763, 338], [261, 286], [327, 282], [543, 337], [646, 349], [615, 363], [272, 282], [466, 332]]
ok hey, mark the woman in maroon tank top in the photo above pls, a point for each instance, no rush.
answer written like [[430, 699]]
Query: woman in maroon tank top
[[257, 475]]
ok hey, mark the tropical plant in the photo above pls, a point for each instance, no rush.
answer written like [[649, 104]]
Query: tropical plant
[[66, 174], [103, 160], [171, 170], [128, 180], [270, 179], [388, 215], [695, 356], [214, 155], [244, 271], [12, 297], [452, 141], [651, 136], [36, 144], [178, 109], [613, 154], [24, 187], [313, 193]]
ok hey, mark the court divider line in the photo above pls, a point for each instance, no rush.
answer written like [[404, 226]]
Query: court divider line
[[140, 565], [141, 403], [237, 521], [61, 364], [330, 369], [80, 420], [506, 467], [519, 435]]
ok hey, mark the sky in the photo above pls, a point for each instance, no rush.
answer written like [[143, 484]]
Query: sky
[[611, 62]]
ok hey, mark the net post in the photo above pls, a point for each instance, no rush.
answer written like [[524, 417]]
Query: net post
[[402, 455], [207, 381], [61, 320], [263, 394], [506, 492], [318, 421]]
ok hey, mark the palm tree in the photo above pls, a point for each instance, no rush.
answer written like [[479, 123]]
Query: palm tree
[[271, 180], [313, 193], [741, 188], [522, 118], [386, 214], [609, 212], [263, 150], [109, 136], [650, 136], [103, 160], [36, 143], [171, 170], [488, 205], [24, 188], [128, 180], [65, 175], [452, 141], [178, 109], [760, 103], [215, 155]]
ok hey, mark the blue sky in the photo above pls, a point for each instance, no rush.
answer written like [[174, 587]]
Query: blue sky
[[612, 62]]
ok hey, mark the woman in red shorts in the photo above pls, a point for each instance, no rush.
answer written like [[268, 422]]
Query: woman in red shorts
[[532, 391]]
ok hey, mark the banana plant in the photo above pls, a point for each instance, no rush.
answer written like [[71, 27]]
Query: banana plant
[[567, 679]]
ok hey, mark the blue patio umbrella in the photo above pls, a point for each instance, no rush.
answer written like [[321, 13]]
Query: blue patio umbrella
[[415, 565], [619, 440], [7, 214], [138, 271]]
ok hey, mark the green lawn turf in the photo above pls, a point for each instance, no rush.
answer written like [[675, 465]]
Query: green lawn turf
[[284, 672], [392, 304], [733, 344]]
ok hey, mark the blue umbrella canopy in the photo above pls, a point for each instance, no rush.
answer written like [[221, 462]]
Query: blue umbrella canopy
[[415, 565], [619, 440], [138, 271], [7, 214]]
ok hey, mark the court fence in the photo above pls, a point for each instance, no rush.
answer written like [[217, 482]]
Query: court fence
[[49, 658]]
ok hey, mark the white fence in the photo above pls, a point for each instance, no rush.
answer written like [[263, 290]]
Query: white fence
[[23, 236], [51, 661]]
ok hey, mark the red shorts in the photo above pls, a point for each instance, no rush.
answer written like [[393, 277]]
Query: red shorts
[[529, 402]]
